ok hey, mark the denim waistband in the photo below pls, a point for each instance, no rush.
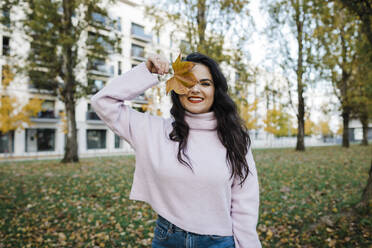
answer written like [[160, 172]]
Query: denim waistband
[[170, 225]]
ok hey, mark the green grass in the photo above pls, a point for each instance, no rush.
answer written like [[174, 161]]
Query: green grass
[[47, 204]]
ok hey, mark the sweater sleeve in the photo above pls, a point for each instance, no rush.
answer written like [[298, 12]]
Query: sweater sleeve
[[245, 207], [126, 122]]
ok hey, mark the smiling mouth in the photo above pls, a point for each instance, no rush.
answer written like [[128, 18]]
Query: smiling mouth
[[195, 99]]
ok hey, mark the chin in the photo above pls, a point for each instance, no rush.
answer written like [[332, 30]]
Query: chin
[[197, 111]]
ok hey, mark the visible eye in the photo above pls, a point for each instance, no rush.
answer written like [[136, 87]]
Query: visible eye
[[205, 83]]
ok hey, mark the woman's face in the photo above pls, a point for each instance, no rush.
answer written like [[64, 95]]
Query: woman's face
[[200, 97]]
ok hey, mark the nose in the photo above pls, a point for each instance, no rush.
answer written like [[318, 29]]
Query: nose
[[195, 88]]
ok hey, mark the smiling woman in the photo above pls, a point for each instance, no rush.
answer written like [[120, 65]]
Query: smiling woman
[[195, 169], [201, 96]]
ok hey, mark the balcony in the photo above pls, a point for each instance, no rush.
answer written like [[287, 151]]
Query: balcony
[[45, 116], [138, 33], [104, 22], [99, 67], [101, 41]]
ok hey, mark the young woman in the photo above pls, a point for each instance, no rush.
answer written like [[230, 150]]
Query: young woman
[[195, 169]]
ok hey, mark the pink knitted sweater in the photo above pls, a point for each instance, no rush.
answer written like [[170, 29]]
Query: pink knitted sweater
[[207, 202]]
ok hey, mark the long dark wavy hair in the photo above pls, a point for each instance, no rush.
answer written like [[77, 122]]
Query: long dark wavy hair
[[231, 130]]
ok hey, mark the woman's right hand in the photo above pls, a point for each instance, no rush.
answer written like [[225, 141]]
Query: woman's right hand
[[157, 63]]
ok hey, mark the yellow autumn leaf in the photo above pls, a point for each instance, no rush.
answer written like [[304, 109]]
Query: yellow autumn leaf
[[183, 78]]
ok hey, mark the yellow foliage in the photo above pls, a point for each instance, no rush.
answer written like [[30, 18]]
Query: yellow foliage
[[310, 127], [277, 122], [13, 114], [246, 111], [62, 114], [323, 129], [7, 76], [340, 129]]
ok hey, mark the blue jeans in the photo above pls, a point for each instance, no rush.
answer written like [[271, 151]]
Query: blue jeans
[[168, 235]]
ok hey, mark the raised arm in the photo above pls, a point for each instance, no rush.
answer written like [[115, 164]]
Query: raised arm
[[109, 105], [244, 208]]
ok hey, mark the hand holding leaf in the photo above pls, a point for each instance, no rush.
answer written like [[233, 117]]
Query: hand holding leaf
[[183, 78]]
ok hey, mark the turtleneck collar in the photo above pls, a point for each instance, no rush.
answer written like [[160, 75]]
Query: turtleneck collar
[[204, 121]]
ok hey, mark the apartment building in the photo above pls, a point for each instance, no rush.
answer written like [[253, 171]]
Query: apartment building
[[45, 137]]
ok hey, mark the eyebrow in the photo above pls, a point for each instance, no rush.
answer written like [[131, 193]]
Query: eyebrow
[[205, 79]]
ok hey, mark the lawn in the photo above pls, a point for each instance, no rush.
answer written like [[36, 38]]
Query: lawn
[[302, 196]]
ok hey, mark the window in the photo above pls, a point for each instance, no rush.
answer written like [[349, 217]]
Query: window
[[112, 70], [237, 76], [7, 142], [99, 40], [138, 29], [98, 65], [96, 139], [118, 24], [91, 115], [158, 37], [119, 67], [38, 140], [117, 141], [47, 109], [6, 47], [138, 51], [6, 16], [99, 19], [95, 85]]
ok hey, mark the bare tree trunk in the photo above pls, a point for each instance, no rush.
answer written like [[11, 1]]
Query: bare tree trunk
[[366, 200], [364, 121], [71, 148], [300, 146], [345, 135], [202, 24]]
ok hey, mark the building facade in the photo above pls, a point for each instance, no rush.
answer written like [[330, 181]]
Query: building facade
[[45, 137]]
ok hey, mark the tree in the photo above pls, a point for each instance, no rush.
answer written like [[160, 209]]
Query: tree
[[362, 8], [362, 90], [295, 16], [337, 33], [205, 25], [56, 30], [310, 127], [323, 129], [277, 122], [247, 111], [13, 113]]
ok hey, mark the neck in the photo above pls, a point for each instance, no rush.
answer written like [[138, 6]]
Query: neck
[[203, 121]]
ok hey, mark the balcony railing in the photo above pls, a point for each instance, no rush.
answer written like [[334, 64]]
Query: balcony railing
[[139, 34], [101, 68], [105, 22], [45, 116]]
